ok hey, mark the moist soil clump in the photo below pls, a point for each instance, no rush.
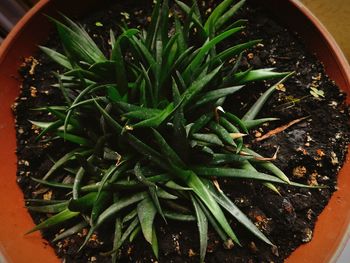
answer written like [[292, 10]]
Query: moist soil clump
[[311, 136]]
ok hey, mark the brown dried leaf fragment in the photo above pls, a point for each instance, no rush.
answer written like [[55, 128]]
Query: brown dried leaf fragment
[[279, 129]]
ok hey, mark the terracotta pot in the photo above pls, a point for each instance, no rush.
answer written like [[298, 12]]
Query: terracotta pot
[[332, 227]]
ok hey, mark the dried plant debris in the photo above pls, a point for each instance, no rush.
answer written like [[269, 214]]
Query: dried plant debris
[[158, 161]]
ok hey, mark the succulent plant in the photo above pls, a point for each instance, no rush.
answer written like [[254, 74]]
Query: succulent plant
[[150, 133]]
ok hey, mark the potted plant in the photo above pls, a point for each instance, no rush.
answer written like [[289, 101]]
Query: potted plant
[[206, 208]]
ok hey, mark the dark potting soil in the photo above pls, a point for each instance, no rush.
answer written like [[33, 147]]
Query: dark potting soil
[[310, 151]]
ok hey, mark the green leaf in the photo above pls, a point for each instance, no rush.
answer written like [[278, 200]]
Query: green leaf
[[59, 218], [255, 109], [113, 209], [78, 43], [269, 166], [179, 217], [155, 248], [257, 122], [273, 188], [210, 24], [205, 49], [51, 209], [208, 137], [129, 108], [117, 57], [67, 157], [77, 182], [197, 86], [233, 118], [216, 226], [181, 59], [100, 204], [214, 95], [112, 171], [130, 216], [233, 51], [76, 101], [232, 129], [201, 122], [52, 184], [226, 203], [54, 126], [194, 182], [166, 150], [156, 120], [243, 174], [181, 147], [117, 239], [113, 123], [62, 116], [181, 40], [134, 233], [104, 71], [82, 204], [172, 185], [57, 57], [222, 158], [82, 74], [41, 124], [146, 213], [146, 54], [260, 74], [223, 18], [153, 28], [222, 133], [194, 17], [202, 223], [70, 231], [43, 201], [170, 53], [128, 231], [74, 138]]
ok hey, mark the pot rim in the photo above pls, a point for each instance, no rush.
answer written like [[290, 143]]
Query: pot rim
[[332, 43], [16, 31], [343, 67]]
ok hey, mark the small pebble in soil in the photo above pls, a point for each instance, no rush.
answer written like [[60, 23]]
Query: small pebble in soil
[[299, 171], [313, 179], [306, 235], [252, 247]]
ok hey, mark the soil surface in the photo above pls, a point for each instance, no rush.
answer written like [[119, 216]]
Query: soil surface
[[310, 151]]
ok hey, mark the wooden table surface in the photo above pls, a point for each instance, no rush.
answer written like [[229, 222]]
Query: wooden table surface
[[335, 15]]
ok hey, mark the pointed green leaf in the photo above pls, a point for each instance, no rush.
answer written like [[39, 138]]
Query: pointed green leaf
[[259, 74], [51, 209], [214, 95], [222, 19], [198, 85], [59, 218], [71, 231], [82, 204], [57, 57], [255, 109], [206, 48], [202, 223], [225, 202], [146, 212]]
